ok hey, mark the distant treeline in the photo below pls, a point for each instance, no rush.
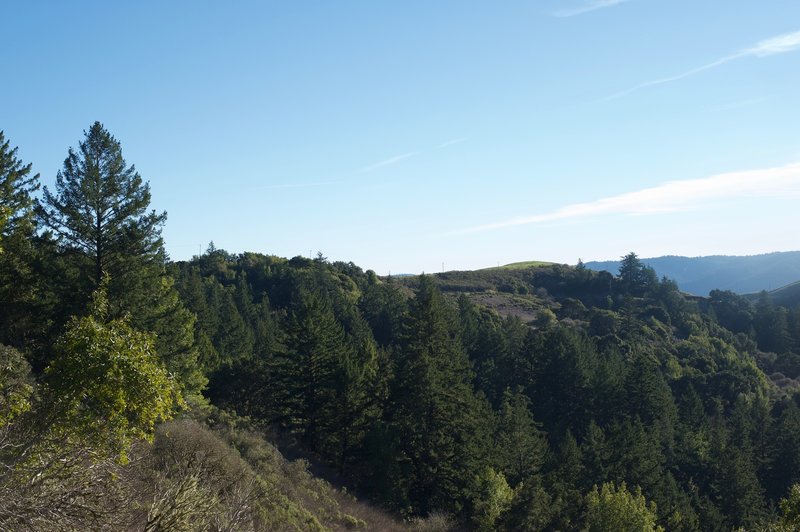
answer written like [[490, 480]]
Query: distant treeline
[[741, 274]]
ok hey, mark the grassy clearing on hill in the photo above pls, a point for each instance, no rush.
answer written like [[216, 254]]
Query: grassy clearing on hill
[[522, 265]]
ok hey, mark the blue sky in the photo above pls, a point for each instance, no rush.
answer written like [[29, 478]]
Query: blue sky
[[404, 135]]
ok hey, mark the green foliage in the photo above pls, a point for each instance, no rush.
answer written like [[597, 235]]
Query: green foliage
[[99, 207], [16, 188], [563, 362], [790, 509], [15, 385], [531, 508], [383, 306], [437, 395], [635, 277], [306, 375], [107, 384], [771, 325], [431, 398], [492, 500], [19, 292], [99, 216], [520, 449], [616, 508], [156, 307]]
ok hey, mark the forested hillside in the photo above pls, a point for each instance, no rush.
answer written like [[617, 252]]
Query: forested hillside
[[786, 296], [140, 393], [743, 275]]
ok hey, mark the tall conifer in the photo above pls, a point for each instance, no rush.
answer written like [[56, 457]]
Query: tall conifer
[[432, 405], [99, 216]]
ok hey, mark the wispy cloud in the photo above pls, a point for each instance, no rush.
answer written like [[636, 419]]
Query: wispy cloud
[[592, 5], [673, 196], [739, 103], [387, 162], [452, 142], [780, 44], [775, 45], [296, 185]]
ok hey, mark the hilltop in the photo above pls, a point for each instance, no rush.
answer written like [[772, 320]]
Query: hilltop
[[785, 296], [740, 274]]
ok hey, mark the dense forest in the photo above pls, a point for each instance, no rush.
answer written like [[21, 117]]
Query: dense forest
[[254, 392]]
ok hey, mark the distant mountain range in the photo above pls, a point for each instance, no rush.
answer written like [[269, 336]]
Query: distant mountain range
[[740, 274]]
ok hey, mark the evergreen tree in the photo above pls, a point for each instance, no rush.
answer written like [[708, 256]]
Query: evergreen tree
[[615, 508], [732, 311], [99, 209], [565, 477], [99, 215], [266, 334], [785, 467], [771, 325], [233, 338], [635, 277], [305, 376], [194, 291], [608, 391], [20, 311], [483, 339], [737, 489], [596, 454], [790, 510], [520, 448], [532, 508], [637, 456], [563, 364], [439, 424], [649, 396], [384, 308], [356, 388], [16, 187]]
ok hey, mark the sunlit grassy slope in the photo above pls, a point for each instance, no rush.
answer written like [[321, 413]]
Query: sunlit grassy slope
[[524, 265]]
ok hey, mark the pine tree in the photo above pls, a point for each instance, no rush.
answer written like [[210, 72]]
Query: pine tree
[[563, 364], [520, 448], [596, 454], [482, 338], [305, 376], [356, 395], [16, 188], [565, 477], [532, 508], [194, 291], [736, 487], [20, 311], [439, 424], [266, 334], [99, 215], [616, 508], [637, 456], [383, 306], [99, 208], [771, 325], [634, 276], [785, 467], [233, 339]]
